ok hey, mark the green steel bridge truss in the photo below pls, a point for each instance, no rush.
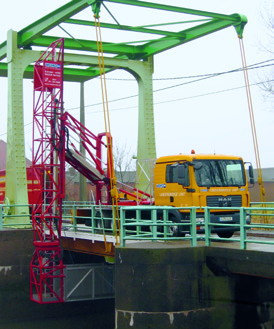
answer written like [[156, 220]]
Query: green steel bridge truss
[[21, 49]]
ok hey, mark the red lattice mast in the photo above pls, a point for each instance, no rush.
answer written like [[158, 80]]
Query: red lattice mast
[[46, 269]]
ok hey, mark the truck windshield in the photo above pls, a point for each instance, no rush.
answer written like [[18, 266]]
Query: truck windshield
[[219, 173]]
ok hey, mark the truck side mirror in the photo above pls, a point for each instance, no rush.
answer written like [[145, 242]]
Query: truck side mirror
[[251, 175], [183, 176]]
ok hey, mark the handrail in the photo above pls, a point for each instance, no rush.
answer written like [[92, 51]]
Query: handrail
[[145, 226], [154, 235], [4, 214]]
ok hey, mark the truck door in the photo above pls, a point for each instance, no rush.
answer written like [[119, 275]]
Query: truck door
[[178, 183]]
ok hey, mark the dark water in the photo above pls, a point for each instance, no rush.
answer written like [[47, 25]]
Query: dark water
[[98, 314], [100, 321]]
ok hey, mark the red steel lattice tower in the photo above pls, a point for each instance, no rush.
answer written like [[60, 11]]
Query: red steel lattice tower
[[46, 269]]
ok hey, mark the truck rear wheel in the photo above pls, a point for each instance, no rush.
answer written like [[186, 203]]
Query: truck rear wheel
[[226, 235], [104, 219]]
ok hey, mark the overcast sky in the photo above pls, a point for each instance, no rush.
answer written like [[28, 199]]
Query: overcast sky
[[210, 116]]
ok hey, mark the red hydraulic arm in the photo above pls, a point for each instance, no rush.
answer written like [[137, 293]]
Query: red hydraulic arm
[[46, 269], [91, 166]]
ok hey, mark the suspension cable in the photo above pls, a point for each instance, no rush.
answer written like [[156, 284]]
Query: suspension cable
[[113, 188], [252, 121]]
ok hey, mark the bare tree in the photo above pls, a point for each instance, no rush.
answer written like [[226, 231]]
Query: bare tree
[[266, 44], [123, 163]]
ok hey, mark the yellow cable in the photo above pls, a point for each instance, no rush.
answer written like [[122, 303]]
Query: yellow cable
[[107, 127], [253, 127]]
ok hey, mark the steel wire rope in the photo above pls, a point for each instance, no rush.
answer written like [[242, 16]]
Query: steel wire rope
[[156, 103], [210, 75], [162, 102], [203, 77], [252, 122], [113, 187], [167, 101]]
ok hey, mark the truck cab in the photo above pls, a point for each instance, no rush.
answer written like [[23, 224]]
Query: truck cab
[[197, 180]]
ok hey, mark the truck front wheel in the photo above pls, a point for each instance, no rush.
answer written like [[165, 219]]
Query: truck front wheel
[[173, 229]]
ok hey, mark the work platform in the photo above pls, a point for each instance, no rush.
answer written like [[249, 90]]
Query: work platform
[[86, 242]]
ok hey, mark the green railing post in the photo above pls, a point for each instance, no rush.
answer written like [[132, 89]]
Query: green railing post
[[207, 227], [165, 218], [1, 218], [92, 219], [74, 218], [243, 228], [193, 227], [138, 217], [122, 227], [154, 221]]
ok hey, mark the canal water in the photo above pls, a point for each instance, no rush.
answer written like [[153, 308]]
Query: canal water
[[98, 314]]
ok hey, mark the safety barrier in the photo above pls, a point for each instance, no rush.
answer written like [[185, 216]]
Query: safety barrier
[[87, 217], [153, 229], [142, 223], [10, 216], [243, 226]]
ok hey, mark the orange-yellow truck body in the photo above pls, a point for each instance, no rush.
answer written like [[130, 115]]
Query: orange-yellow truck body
[[197, 180]]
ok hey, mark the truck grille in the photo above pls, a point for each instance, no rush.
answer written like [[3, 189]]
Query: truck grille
[[224, 201]]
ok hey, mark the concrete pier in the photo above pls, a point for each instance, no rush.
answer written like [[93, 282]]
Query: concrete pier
[[17, 311], [160, 285]]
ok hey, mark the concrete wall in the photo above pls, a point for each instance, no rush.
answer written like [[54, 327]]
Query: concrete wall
[[175, 287], [171, 287], [16, 308]]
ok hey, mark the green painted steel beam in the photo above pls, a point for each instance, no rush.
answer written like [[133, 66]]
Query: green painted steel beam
[[32, 35], [238, 21], [127, 28], [3, 50], [188, 35], [3, 70], [70, 74], [170, 8], [88, 45], [46, 23]]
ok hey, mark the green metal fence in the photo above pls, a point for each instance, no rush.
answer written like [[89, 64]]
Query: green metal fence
[[156, 230], [143, 223], [150, 228], [87, 217], [9, 218]]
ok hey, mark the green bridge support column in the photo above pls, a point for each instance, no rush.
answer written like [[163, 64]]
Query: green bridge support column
[[16, 181], [146, 149], [82, 179], [146, 131]]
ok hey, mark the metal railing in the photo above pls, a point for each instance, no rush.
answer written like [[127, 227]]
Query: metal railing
[[150, 227], [87, 217], [243, 226], [143, 223], [10, 216], [153, 229]]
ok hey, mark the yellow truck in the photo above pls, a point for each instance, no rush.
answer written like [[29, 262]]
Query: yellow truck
[[197, 180]]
